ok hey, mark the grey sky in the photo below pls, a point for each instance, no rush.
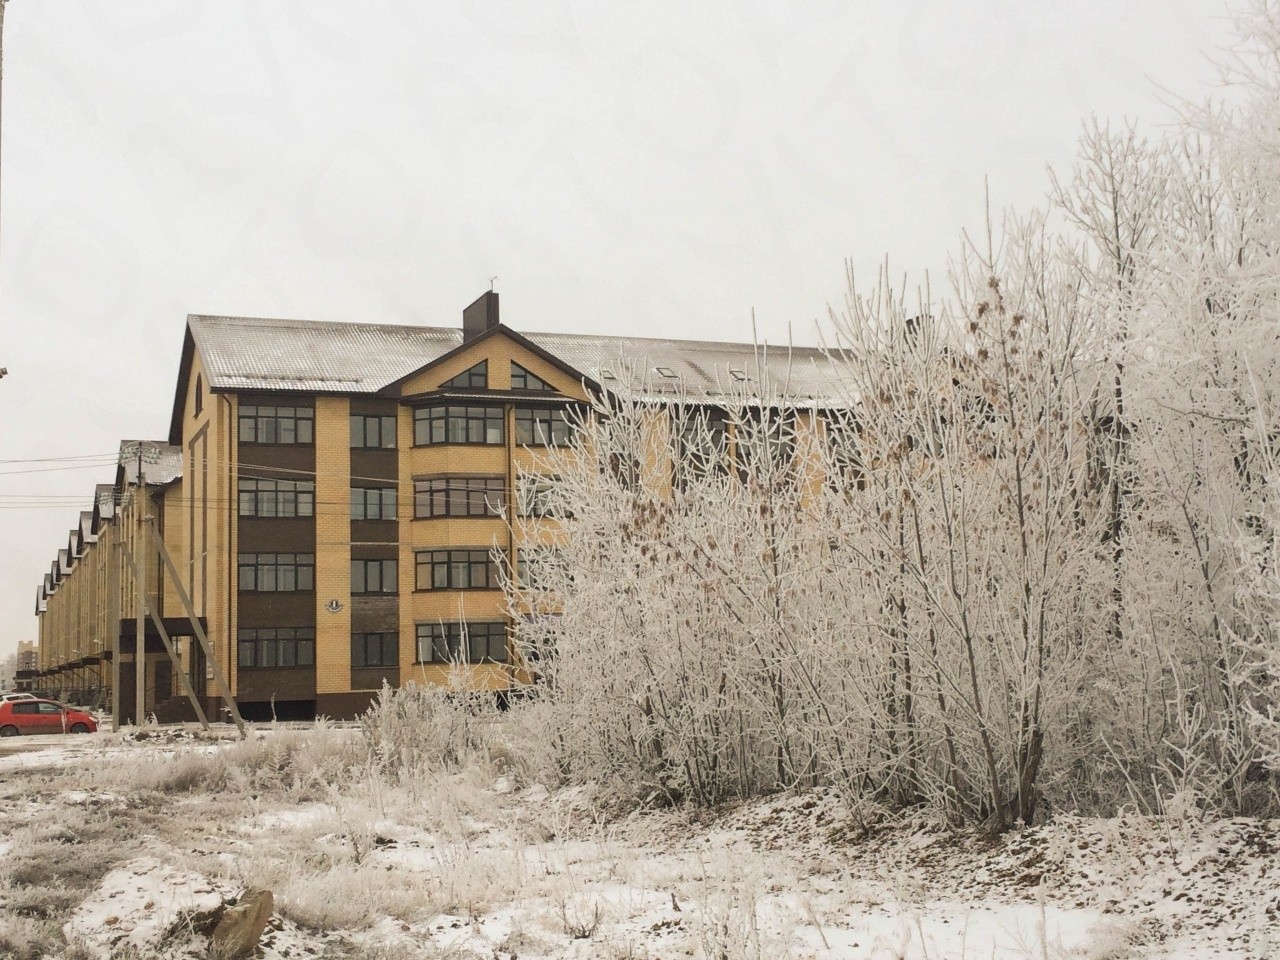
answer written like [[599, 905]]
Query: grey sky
[[654, 169]]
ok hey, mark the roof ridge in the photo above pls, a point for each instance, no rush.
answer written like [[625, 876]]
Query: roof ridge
[[717, 344], [301, 322]]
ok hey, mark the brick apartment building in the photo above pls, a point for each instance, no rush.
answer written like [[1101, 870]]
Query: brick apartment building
[[330, 494], [26, 665]]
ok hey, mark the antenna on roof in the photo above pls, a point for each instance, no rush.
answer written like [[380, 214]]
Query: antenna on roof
[[491, 279]]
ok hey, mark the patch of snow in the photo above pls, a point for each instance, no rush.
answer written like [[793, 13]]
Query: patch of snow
[[138, 904]]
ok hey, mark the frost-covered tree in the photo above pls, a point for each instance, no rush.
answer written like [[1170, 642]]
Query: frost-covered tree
[[1028, 554]]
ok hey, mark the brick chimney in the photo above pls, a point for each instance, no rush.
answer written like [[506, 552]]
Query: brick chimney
[[480, 316]]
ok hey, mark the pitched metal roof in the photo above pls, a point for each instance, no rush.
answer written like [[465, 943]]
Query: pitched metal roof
[[246, 354], [161, 462], [663, 369], [104, 498]]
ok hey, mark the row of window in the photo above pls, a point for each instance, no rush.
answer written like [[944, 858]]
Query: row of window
[[477, 378], [448, 423], [296, 424], [434, 570], [474, 642], [535, 426], [702, 437], [277, 647], [434, 497]]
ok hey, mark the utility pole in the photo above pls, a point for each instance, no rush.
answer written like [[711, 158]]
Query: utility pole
[[140, 645], [3, 371]]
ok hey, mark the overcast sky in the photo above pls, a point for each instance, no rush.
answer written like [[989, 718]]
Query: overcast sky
[[656, 169]]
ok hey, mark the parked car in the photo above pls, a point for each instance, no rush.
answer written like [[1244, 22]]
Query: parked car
[[43, 716], [6, 697]]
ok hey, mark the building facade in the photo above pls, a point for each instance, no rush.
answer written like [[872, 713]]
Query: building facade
[[26, 664], [332, 500]]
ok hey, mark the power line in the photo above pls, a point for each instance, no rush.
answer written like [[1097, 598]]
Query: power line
[[77, 466], [78, 456]]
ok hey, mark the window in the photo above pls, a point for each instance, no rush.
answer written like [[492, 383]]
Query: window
[[277, 424], [456, 570], [375, 650], [374, 576], [373, 503], [542, 427], [539, 497], [450, 424], [373, 432], [477, 378], [199, 395], [764, 442], [466, 642], [844, 457], [277, 572], [30, 707], [522, 379], [703, 443], [537, 636], [459, 497], [277, 647], [277, 498], [533, 564]]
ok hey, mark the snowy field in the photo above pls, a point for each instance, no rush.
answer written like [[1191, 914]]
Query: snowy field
[[118, 847]]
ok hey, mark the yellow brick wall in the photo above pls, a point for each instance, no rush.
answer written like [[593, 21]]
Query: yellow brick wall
[[506, 460], [333, 544]]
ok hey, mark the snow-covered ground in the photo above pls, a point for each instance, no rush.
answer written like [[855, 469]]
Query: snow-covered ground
[[118, 848]]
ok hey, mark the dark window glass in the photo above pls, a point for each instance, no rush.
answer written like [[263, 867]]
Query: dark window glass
[[456, 424], [841, 434], [199, 395], [374, 576], [459, 497], [475, 642], [377, 432], [539, 497], [703, 444], [373, 503], [477, 378], [533, 564], [765, 442], [456, 570], [277, 498], [375, 650], [538, 635], [275, 424], [542, 427], [277, 572], [523, 379], [25, 707], [277, 646]]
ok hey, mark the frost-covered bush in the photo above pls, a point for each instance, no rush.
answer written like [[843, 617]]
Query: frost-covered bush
[[295, 764], [414, 730]]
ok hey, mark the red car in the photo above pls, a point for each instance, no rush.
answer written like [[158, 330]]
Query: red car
[[43, 716]]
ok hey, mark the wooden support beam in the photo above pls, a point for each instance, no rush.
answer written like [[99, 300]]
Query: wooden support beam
[[173, 653], [219, 680]]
